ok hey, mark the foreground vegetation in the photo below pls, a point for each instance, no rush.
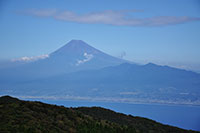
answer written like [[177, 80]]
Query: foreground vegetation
[[17, 116]]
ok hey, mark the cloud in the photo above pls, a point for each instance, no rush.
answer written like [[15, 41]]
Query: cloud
[[40, 13], [110, 17], [33, 58], [87, 56]]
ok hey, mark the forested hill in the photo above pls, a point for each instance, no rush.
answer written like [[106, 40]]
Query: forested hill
[[19, 116]]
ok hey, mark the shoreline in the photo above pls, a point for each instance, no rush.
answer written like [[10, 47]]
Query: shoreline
[[100, 99]]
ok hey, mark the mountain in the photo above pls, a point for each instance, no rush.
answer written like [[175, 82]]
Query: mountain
[[78, 71], [75, 55], [30, 117], [126, 82]]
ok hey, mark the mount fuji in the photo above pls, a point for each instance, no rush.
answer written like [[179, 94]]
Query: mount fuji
[[74, 56]]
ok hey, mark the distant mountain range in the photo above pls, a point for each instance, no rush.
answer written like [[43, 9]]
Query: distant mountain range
[[78, 71], [31, 117]]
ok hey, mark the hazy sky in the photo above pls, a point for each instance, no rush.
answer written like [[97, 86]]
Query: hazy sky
[[159, 31]]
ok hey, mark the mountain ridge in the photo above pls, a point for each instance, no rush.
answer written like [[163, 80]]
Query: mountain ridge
[[28, 116], [129, 82]]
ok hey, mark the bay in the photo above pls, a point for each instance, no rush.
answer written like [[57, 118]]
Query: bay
[[183, 116]]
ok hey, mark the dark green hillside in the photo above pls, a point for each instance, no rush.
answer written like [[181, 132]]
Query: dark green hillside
[[138, 123], [18, 116]]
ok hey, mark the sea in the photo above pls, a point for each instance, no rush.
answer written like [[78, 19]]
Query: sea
[[182, 116]]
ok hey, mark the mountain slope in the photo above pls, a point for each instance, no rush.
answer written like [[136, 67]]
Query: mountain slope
[[26, 116], [148, 83], [75, 55]]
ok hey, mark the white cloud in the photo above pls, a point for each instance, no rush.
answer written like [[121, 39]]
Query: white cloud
[[41, 13], [87, 56], [32, 58], [117, 18]]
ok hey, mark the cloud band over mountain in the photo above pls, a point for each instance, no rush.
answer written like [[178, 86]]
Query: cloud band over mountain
[[32, 58], [110, 17]]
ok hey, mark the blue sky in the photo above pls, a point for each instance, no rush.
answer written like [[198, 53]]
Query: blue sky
[[160, 31]]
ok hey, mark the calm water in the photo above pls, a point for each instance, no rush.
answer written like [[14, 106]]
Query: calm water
[[187, 117]]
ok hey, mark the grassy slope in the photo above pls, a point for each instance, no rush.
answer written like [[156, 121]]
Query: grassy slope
[[25, 116]]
